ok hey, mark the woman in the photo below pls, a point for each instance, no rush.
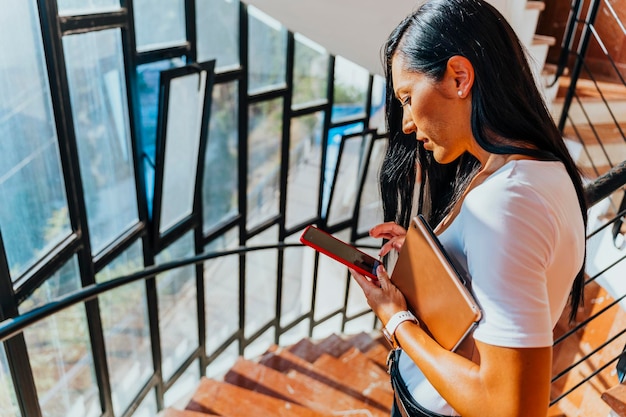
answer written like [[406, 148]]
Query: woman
[[506, 198]]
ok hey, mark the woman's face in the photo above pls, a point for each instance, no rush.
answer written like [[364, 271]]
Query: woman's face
[[434, 111]]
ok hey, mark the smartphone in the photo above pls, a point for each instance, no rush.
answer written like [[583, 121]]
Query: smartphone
[[340, 251]]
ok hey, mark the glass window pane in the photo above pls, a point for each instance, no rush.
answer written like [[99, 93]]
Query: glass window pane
[[148, 407], [159, 23], [183, 120], [350, 94], [305, 163], [377, 119], [34, 214], [221, 180], [332, 153], [76, 7], [264, 145], [60, 351], [124, 313], [332, 278], [222, 364], [268, 44], [310, 72], [95, 68], [261, 278], [298, 267], [371, 206], [178, 312], [148, 76], [184, 385], [8, 401], [347, 175], [221, 286], [217, 27]]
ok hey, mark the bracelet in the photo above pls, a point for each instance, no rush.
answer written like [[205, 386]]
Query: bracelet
[[389, 331]]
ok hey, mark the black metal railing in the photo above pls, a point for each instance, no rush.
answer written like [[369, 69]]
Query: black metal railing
[[592, 121]]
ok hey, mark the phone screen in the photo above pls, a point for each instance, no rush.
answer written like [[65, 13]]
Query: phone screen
[[340, 251]]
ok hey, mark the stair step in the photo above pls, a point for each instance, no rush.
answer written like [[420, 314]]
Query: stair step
[[229, 400], [335, 345], [307, 350], [362, 374], [379, 396], [376, 349], [535, 5], [298, 388], [585, 399], [172, 412], [616, 399]]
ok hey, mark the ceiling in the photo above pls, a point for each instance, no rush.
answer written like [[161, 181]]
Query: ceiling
[[358, 29], [353, 29]]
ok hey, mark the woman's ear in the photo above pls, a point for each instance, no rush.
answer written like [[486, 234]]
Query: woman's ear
[[460, 75]]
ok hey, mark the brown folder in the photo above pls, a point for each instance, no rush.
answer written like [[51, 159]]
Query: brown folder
[[434, 288]]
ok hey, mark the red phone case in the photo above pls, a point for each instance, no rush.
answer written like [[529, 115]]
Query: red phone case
[[350, 250]]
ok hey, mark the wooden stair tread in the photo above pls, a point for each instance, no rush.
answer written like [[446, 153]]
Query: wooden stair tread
[[285, 361], [298, 388], [534, 4], [376, 349], [544, 40], [229, 400], [590, 134], [362, 374], [358, 369], [335, 345], [616, 399], [172, 412], [307, 350]]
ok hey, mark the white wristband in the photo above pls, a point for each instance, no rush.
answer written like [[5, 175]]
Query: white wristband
[[390, 329]]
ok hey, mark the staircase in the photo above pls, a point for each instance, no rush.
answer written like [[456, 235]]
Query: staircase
[[346, 375], [336, 376]]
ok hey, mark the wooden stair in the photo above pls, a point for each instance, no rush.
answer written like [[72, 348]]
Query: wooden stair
[[346, 375], [335, 376]]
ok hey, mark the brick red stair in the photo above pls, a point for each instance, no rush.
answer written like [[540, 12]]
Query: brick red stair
[[334, 376]]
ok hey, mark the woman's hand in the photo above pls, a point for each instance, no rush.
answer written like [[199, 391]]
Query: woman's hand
[[383, 297], [391, 231]]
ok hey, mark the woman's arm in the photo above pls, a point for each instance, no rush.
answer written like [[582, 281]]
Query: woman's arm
[[507, 382], [512, 382]]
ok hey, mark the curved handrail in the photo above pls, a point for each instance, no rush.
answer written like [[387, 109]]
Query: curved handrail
[[606, 184], [12, 326], [600, 188]]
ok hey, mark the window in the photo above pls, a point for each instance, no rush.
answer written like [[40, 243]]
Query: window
[[34, 214], [221, 180], [264, 139], [95, 68], [310, 72], [159, 23], [75, 7], [124, 314], [268, 43], [217, 27], [178, 312], [60, 351]]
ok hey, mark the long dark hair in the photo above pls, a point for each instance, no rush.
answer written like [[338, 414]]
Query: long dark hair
[[505, 104]]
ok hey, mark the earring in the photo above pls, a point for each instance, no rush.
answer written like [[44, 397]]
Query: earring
[[460, 93]]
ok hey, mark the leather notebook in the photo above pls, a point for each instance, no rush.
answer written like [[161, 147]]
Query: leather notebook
[[435, 290]]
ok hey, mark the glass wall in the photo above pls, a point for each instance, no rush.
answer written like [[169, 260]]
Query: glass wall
[[79, 116], [34, 217]]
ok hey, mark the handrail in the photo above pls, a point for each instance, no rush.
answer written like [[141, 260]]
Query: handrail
[[12, 326], [606, 184], [600, 188]]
